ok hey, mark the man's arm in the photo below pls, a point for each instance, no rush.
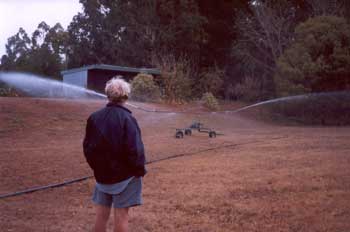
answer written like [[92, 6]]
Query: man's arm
[[134, 147], [94, 146]]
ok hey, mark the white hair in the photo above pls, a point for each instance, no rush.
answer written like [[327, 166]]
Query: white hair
[[117, 89]]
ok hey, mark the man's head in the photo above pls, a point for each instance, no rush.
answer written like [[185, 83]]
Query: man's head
[[117, 90]]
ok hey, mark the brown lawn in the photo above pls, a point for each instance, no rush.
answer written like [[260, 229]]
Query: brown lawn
[[255, 177]]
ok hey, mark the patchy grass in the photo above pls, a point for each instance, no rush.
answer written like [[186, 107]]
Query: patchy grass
[[271, 178]]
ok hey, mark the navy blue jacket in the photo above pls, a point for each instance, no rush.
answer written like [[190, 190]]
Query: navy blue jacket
[[113, 146]]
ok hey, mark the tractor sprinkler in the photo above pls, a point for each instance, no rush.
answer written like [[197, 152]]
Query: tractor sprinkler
[[196, 126]]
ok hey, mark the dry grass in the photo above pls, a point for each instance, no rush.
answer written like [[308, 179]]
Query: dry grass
[[272, 178]]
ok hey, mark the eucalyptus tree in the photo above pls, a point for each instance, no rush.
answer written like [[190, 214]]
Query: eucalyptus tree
[[318, 59], [113, 32], [17, 52], [47, 56], [263, 34], [132, 32], [42, 53]]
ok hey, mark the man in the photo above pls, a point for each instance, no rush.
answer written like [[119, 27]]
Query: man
[[114, 150]]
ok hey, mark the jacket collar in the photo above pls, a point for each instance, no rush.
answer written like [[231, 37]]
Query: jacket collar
[[112, 104]]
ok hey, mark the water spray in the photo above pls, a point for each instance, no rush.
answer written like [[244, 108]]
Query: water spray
[[43, 87], [38, 86]]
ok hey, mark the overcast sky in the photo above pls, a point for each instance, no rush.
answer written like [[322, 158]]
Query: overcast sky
[[29, 13]]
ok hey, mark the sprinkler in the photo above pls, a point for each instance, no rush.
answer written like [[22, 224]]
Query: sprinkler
[[198, 126], [179, 134]]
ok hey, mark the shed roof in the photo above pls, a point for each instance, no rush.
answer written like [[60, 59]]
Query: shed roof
[[113, 68]]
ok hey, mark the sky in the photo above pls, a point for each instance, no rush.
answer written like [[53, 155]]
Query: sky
[[29, 13]]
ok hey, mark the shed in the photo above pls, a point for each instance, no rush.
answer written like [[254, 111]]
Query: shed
[[95, 76]]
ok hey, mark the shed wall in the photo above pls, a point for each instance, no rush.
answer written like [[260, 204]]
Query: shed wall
[[97, 78], [76, 78]]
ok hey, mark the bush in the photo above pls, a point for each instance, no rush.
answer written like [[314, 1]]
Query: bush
[[176, 74], [144, 88], [248, 90], [6, 91], [317, 60], [210, 81], [210, 101]]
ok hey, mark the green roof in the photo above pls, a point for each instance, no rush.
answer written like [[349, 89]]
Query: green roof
[[113, 68]]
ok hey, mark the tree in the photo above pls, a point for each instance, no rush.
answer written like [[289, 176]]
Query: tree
[[17, 51], [86, 36], [318, 59], [113, 32], [215, 47], [48, 50], [130, 32], [181, 29], [264, 33], [327, 7], [41, 54]]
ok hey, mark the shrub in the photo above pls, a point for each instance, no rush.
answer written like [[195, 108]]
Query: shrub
[[176, 78], [247, 90], [211, 81], [210, 101], [144, 88], [6, 91], [318, 59]]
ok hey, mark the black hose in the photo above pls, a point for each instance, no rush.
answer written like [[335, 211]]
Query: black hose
[[39, 188], [34, 189]]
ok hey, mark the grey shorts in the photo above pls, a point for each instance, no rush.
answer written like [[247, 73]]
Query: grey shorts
[[129, 197]]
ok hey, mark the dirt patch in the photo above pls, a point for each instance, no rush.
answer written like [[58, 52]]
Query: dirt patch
[[255, 177]]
